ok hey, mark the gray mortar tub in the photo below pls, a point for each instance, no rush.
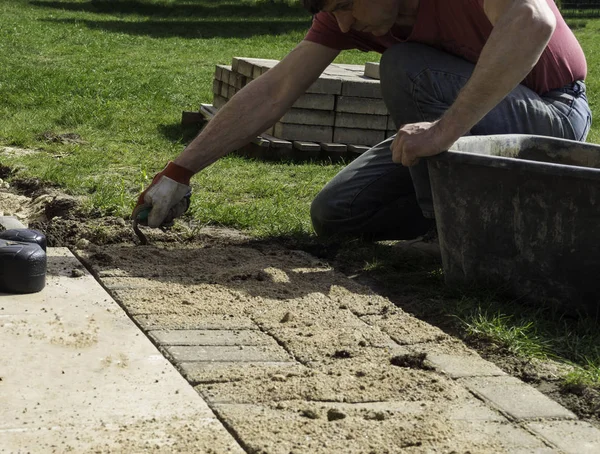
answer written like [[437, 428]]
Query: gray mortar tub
[[521, 213]]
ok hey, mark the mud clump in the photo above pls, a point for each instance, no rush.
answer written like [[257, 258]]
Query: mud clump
[[310, 414], [342, 354], [333, 414], [411, 361]]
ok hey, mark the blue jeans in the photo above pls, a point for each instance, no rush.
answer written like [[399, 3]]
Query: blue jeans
[[375, 198]]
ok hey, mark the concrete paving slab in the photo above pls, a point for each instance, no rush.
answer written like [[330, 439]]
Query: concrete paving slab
[[315, 101], [78, 375], [362, 87], [354, 104], [361, 121], [457, 366], [199, 372], [217, 322], [320, 427], [228, 353], [211, 337], [573, 437], [516, 398]]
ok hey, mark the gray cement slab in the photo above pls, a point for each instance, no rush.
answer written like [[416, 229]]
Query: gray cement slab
[[228, 353], [573, 437], [212, 337], [516, 398], [78, 375], [207, 322]]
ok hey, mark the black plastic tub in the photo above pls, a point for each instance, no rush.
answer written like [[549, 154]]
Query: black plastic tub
[[521, 214]]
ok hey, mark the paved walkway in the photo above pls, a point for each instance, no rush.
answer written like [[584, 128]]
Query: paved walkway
[[77, 375]]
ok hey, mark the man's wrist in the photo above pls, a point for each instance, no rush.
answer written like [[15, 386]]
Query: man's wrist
[[177, 173], [447, 132]]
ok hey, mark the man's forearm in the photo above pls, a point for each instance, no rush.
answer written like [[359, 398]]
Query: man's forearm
[[249, 113], [518, 39]]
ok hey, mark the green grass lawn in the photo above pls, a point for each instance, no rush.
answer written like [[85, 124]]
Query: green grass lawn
[[119, 73]]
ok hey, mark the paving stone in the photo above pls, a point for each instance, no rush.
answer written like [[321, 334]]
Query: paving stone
[[80, 377], [222, 73], [355, 69], [361, 121], [225, 73], [303, 133], [309, 117], [354, 104], [218, 73], [573, 437], [264, 63], [231, 91], [357, 136], [306, 146], [277, 143], [288, 429], [225, 90], [211, 337], [237, 80], [315, 101], [242, 66], [357, 149], [516, 398], [334, 147], [198, 372], [327, 85], [363, 87], [463, 410], [372, 70], [405, 329], [514, 439], [228, 353], [457, 366], [217, 86], [219, 101], [207, 322]]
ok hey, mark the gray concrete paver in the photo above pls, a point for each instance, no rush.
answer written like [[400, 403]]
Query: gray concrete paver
[[211, 337], [573, 437], [457, 366], [81, 377], [516, 398], [363, 87], [228, 353], [150, 322]]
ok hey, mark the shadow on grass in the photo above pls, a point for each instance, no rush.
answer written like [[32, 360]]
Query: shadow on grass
[[176, 132], [235, 28], [198, 8]]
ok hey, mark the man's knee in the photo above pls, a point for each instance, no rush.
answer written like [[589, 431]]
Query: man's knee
[[322, 213]]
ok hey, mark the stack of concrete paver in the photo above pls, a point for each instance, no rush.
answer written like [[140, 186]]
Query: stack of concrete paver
[[342, 112]]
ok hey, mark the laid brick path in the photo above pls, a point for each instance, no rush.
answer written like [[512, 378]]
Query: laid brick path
[[292, 356]]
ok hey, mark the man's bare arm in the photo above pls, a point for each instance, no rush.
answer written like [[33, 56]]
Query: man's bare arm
[[257, 106], [522, 30]]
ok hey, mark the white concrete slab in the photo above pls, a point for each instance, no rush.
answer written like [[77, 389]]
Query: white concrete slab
[[77, 375]]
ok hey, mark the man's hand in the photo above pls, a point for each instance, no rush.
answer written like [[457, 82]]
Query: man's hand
[[167, 197], [418, 140]]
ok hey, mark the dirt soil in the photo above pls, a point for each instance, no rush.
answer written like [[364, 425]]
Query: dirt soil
[[334, 370]]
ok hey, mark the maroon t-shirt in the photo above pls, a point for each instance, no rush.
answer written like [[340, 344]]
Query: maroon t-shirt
[[461, 27]]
